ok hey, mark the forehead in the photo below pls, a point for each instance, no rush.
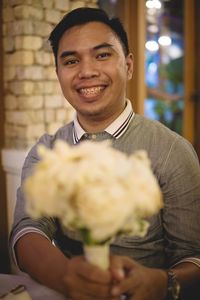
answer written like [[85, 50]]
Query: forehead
[[88, 35]]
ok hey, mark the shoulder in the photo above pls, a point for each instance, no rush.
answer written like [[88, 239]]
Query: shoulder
[[157, 134], [153, 127], [48, 140], [164, 146], [144, 133], [63, 133]]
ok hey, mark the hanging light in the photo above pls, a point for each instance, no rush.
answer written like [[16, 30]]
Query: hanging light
[[152, 46], [153, 4], [153, 28], [164, 40]]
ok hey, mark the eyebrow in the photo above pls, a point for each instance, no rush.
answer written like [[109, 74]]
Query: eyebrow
[[69, 53], [104, 45]]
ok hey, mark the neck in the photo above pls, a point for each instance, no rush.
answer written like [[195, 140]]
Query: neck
[[95, 124]]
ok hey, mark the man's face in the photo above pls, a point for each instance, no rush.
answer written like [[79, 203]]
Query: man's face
[[93, 71]]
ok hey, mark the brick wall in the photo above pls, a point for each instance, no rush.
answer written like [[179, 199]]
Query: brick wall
[[33, 100]]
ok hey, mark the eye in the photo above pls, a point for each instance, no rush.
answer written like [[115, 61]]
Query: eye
[[70, 62], [103, 55]]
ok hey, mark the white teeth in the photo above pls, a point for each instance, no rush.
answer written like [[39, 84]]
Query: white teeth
[[91, 91]]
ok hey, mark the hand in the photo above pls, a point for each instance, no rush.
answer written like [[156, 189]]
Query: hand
[[87, 282], [137, 281]]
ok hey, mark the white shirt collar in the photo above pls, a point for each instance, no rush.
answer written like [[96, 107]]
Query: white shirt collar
[[116, 128]]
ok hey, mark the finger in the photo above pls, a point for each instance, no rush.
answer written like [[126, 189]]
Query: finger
[[122, 261], [79, 284], [79, 296], [121, 266], [81, 267], [94, 273], [125, 287]]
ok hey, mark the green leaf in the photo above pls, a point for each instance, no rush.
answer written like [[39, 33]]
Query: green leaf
[[88, 240]]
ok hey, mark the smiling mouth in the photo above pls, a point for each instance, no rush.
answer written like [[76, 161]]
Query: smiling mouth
[[91, 91]]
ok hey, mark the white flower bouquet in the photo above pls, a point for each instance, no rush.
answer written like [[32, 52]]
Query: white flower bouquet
[[95, 189]]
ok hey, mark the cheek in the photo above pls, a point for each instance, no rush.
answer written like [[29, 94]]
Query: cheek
[[120, 74], [60, 77], [64, 80]]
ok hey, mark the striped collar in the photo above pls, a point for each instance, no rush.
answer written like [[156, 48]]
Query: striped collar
[[116, 128]]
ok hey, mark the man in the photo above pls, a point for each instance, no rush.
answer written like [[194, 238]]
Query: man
[[93, 65]]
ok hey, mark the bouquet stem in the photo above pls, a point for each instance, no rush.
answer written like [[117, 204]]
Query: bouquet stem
[[98, 255]]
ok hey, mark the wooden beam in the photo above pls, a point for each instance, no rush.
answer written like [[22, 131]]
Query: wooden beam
[[197, 79], [189, 70], [136, 24], [4, 257], [132, 15]]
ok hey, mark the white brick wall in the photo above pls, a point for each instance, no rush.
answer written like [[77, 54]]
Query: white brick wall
[[34, 103]]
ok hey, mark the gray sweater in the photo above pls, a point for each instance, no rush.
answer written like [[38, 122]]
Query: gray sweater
[[174, 233]]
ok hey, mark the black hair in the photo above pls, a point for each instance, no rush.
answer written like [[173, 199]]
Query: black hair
[[85, 15]]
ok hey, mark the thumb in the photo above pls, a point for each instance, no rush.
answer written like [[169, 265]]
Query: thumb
[[120, 266]]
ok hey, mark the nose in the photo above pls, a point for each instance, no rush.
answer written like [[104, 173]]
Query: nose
[[88, 69]]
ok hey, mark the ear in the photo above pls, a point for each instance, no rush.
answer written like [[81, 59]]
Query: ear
[[129, 65]]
